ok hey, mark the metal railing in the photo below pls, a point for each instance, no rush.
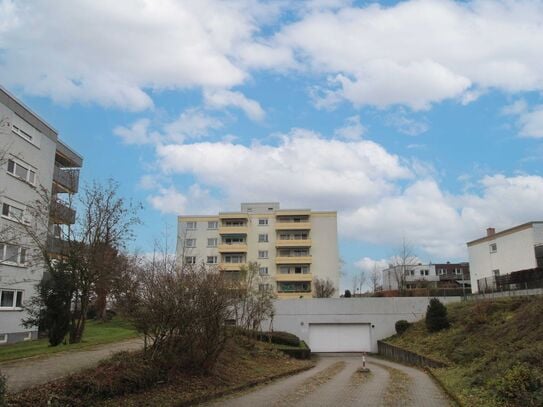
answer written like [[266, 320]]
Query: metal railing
[[62, 213], [67, 178]]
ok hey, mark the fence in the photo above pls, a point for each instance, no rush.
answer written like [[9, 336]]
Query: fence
[[407, 357], [518, 280]]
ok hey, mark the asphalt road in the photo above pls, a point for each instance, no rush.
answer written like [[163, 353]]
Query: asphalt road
[[335, 381]]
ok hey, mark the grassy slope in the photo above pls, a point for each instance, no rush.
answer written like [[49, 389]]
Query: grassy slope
[[488, 340], [96, 333]]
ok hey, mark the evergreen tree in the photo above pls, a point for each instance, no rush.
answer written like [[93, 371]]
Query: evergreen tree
[[436, 316]]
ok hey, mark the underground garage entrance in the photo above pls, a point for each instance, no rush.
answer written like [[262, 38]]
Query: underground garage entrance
[[333, 337]]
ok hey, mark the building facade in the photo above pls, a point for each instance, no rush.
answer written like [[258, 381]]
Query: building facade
[[442, 275], [34, 165], [291, 247], [504, 252]]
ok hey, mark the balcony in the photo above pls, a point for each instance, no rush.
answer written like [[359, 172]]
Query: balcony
[[61, 214], [233, 248], [293, 260], [233, 230], [65, 179], [293, 243], [231, 266], [294, 277], [293, 226], [233, 215], [57, 246], [452, 277]]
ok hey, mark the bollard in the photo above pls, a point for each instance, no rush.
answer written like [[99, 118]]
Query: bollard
[[363, 369]]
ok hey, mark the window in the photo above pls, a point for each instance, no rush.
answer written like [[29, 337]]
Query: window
[[262, 222], [234, 223], [212, 242], [493, 248], [11, 299], [233, 258], [21, 133], [458, 271], [12, 254], [190, 243], [3, 338], [263, 271], [212, 224], [263, 237], [441, 271], [22, 172], [233, 240], [191, 225], [190, 259], [262, 254], [211, 259], [294, 287], [496, 273], [12, 212]]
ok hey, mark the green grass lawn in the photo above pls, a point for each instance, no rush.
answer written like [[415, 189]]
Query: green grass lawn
[[96, 333]]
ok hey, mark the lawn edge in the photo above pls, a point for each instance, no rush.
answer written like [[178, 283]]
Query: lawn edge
[[445, 388]]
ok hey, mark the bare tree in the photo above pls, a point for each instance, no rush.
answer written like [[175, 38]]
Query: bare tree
[[401, 263], [375, 278], [358, 281], [323, 288]]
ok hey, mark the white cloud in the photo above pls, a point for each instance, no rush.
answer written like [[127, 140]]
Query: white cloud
[[169, 200], [352, 130], [406, 125], [113, 53], [191, 124], [219, 99], [531, 123], [367, 264], [304, 167], [420, 52], [196, 200]]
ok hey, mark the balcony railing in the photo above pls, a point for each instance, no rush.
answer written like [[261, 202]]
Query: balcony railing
[[293, 243], [293, 225], [61, 213], [66, 179], [233, 229], [57, 246], [233, 247], [294, 277], [293, 259]]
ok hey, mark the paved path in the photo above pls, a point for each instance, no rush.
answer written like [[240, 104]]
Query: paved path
[[25, 373], [336, 382]]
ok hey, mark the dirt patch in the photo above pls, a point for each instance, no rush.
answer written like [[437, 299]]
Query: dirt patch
[[311, 384]]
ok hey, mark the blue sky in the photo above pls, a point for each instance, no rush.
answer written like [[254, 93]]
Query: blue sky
[[420, 119]]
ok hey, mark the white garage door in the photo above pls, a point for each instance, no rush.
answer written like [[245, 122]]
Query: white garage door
[[339, 337]]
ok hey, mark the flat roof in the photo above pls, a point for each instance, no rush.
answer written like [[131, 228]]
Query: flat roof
[[27, 114], [505, 232]]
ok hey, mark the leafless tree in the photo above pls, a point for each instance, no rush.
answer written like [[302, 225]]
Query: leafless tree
[[323, 288], [358, 281], [375, 278], [401, 263], [180, 310]]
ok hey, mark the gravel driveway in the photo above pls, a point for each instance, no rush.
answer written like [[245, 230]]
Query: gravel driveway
[[336, 382], [25, 373]]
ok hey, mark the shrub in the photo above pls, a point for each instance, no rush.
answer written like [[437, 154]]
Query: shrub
[[3, 390], [401, 326], [519, 386], [303, 352], [279, 338], [436, 316]]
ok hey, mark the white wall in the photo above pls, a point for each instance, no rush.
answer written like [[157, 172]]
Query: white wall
[[324, 249], [294, 316]]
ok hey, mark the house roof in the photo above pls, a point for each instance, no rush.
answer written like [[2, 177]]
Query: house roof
[[504, 232]]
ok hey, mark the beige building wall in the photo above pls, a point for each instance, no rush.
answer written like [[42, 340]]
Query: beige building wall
[[292, 247]]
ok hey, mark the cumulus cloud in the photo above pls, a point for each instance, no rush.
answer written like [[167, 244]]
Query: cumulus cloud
[[352, 130], [219, 99], [420, 52], [112, 53], [304, 167], [137, 133], [405, 124], [197, 200], [367, 264], [529, 119]]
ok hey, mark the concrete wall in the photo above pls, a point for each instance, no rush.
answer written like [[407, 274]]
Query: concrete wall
[[515, 251], [324, 249], [294, 316]]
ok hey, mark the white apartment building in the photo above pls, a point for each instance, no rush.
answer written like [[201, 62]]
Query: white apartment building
[[439, 275], [514, 249], [31, 158], [292, 247]]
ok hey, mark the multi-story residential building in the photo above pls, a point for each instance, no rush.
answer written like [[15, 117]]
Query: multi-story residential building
[[33, 162], [443, 275], [501, 253], [291, 247]]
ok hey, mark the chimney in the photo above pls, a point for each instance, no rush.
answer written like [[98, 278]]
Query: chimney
[[490, 231]]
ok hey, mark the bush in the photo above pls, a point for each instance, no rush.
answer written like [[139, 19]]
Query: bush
[[436, 316], [401, 326], [519, 386], [3, 390], [279, 338], [303, 352]]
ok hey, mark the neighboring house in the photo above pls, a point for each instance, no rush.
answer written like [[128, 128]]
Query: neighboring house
[[32, 160], [501, 253], [445, 275], [292, 247]]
